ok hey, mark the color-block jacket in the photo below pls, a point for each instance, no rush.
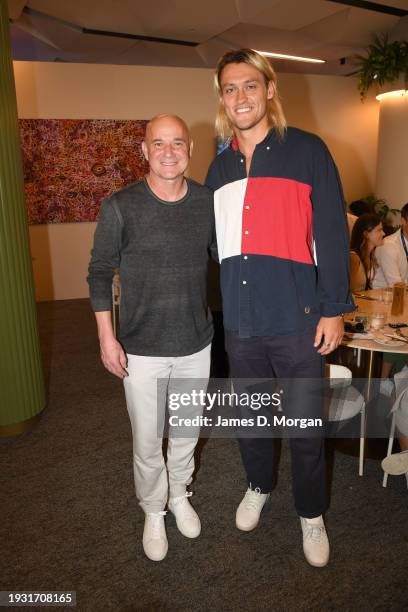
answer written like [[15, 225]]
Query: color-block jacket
[[282, 235]]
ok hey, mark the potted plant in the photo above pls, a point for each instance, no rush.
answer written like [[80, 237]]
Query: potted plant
[[385, 63], [372, 204]]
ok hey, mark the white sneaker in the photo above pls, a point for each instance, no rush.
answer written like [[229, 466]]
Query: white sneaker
[[187, 519], [155, 542], [396, 464], [315, 541], [249, 510]]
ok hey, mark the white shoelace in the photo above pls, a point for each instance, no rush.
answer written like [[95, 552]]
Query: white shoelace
[[314, 532], [186, 508], [181, 498], [253, 499], [156, 524]]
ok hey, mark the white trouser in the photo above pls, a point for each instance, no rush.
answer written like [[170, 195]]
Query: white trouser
[[150, 381]]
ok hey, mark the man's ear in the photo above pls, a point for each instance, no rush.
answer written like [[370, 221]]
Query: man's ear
[[191, 148], [144, 150], [270, 90]]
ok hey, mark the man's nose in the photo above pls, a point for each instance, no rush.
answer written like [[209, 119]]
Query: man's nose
[[168, 149], [241, 94]]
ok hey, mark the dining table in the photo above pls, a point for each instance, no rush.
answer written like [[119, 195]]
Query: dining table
[[369, 304], [373, 302]]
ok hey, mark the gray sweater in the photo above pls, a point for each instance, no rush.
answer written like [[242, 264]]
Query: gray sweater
[[161, 250]]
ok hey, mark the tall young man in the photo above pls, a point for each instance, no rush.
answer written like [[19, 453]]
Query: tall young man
[[283, 248], [158, 232]]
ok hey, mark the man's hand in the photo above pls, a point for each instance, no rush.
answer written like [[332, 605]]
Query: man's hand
[[112, 354], [113, 357], [329, 333]]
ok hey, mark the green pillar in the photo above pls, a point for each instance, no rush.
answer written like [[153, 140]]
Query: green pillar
[[22, 395]]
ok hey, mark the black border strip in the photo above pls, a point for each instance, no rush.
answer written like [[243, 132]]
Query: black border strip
[[373, 6], [167, 41]]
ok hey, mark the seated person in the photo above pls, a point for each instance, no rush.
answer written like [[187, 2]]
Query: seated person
[[392, 256], [366, 236]]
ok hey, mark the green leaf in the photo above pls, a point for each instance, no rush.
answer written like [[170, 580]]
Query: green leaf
[[384, 63]]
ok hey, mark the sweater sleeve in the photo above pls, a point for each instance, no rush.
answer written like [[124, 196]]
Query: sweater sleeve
[[105, 256], [330, 233]]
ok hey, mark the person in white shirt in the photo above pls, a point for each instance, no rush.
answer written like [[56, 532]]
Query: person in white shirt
[[392, 260], [392, 256]]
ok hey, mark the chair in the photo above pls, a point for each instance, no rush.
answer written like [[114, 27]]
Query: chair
[[399, 413], [345, 403], [115, 300]]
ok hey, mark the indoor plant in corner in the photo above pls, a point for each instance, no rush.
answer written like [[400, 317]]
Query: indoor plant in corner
[[371, 204], [386, 63]]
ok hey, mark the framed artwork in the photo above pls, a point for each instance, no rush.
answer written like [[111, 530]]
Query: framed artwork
[[71, 165]]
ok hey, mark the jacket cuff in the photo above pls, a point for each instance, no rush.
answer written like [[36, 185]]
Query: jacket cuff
[[335, 309]]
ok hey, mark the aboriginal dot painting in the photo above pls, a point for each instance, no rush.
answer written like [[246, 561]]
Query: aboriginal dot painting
[[71, 165]]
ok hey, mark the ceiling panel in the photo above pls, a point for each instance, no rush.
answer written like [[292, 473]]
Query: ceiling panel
[[211, 50], [268, 39], [287, 14], [52, 29], [27, 48], [156, 54], [180, 19], [100, 14], [251, 8], [192, 20], [332, 51], [351, 27], [73, 41]]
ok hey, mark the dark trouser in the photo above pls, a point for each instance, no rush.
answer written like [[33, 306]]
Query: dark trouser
[[285, 357]]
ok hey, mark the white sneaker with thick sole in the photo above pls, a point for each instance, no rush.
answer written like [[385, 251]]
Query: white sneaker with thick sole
[[155, 542], [187, 519], [249, 510], [315, 541], [396, 464]]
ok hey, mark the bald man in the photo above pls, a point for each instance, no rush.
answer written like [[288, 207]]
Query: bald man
[[158, 232]]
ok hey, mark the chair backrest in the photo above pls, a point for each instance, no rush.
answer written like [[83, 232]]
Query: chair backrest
[[338, 375], [401, 381], [345, 401], [400, 406]]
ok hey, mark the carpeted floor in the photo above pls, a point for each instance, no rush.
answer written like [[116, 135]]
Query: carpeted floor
[[70, 520]]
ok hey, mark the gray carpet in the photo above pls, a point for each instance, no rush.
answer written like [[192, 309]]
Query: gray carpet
[[70, 520]]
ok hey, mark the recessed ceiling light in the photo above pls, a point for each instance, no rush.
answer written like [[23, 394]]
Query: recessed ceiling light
[[295, 58]]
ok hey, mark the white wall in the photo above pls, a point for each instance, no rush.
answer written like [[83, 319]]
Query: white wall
[[329, 106], [392, 175]]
